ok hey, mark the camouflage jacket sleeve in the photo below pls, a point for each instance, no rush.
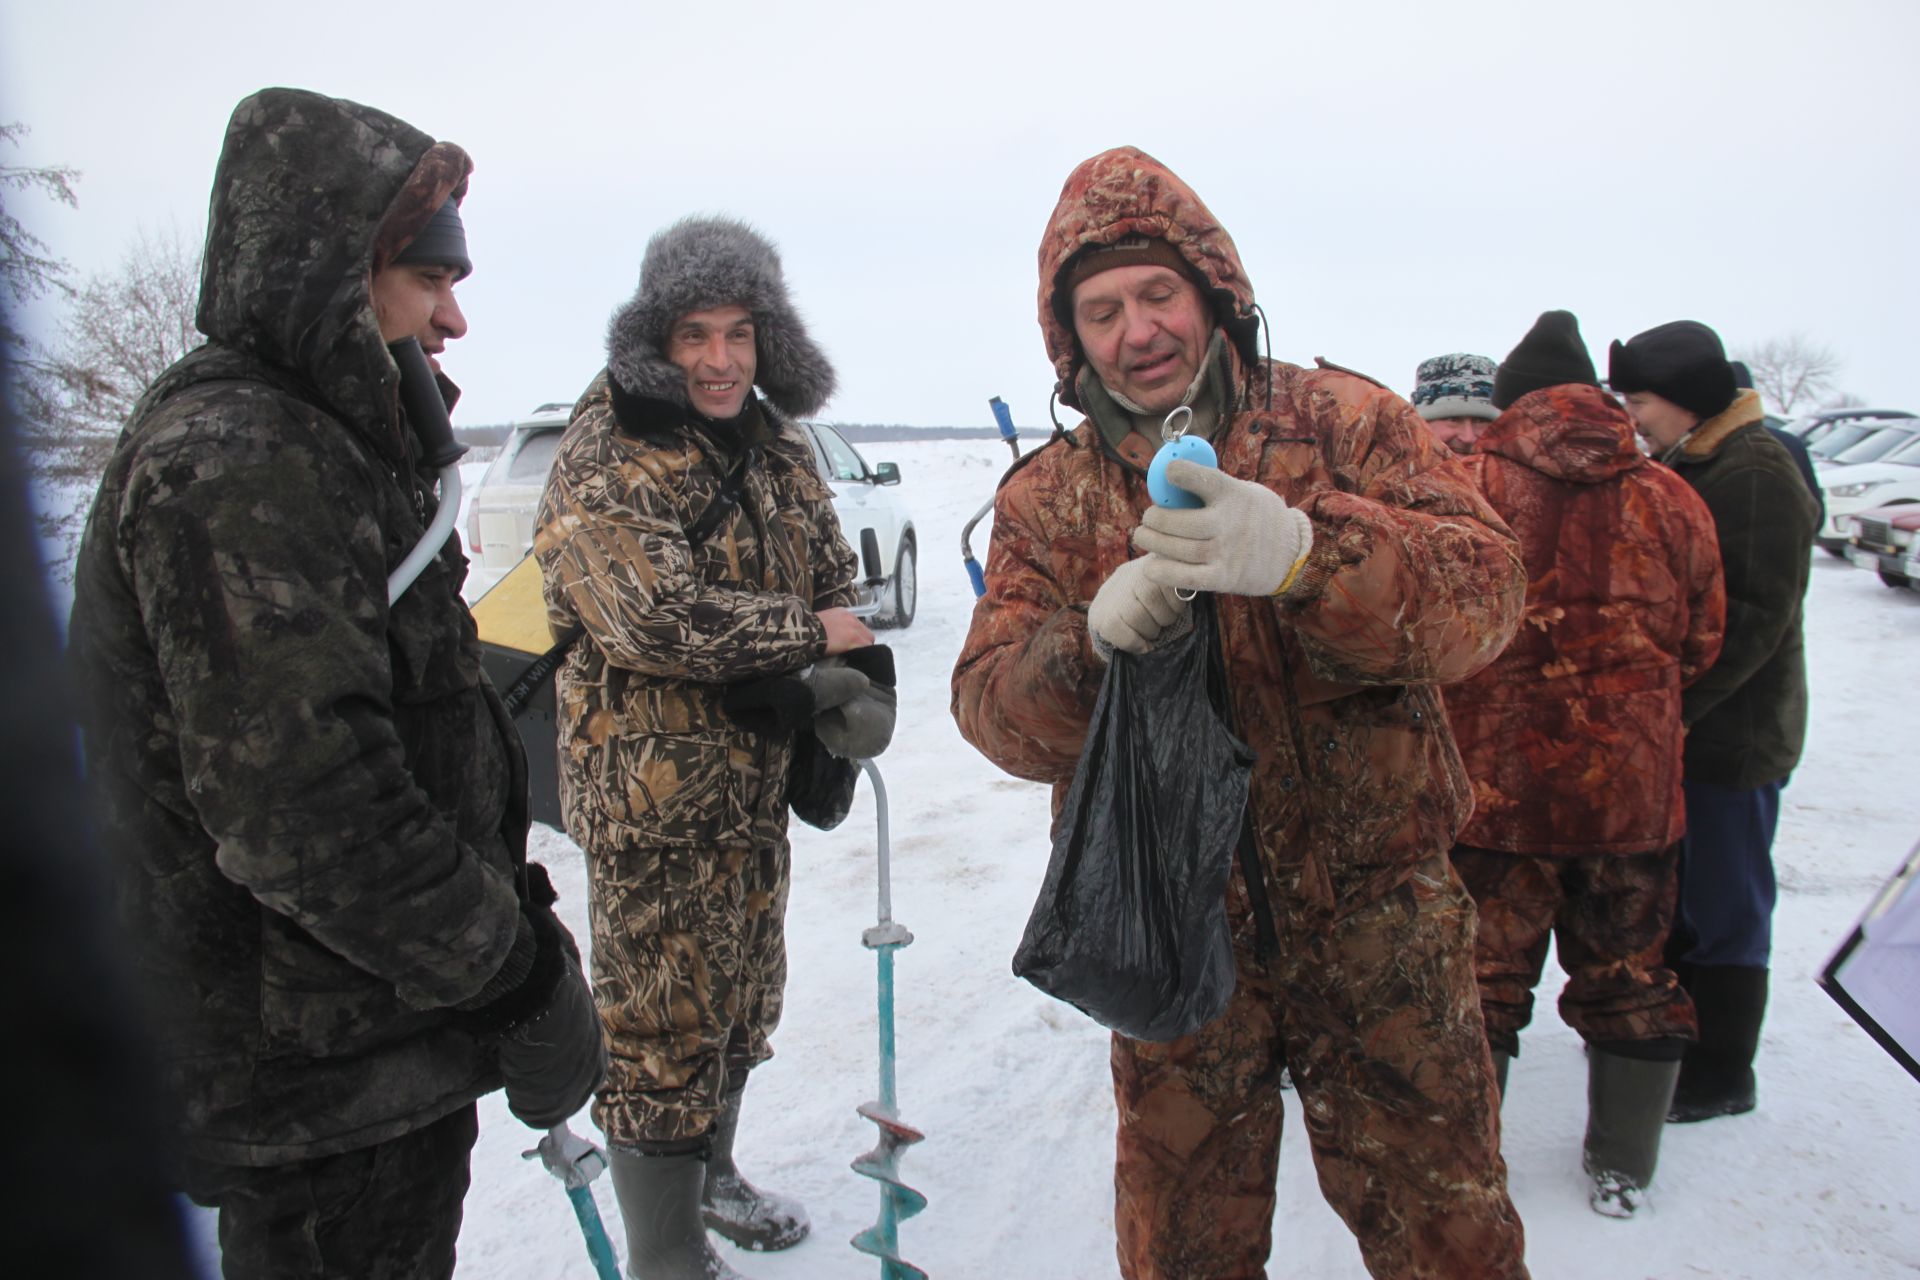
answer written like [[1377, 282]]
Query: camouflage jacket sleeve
[[1026, 681], [258, 567], [1413, 577], [614, 555]]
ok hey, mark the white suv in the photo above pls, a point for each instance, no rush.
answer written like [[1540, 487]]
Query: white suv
[[501, 507], [500, 513]]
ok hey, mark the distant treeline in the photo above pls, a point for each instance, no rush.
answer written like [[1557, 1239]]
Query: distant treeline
[[864, 432], [857, 432]]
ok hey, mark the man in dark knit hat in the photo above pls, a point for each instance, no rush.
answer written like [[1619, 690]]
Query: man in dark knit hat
[[686, 533], [1746, 718], [1573, 741], [317, 801]]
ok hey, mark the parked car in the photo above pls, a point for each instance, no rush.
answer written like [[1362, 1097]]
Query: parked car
[[499, 524], [1814, 425], [500, 510], [1892, 480], [1864, 436], [875, 522], [1887, 541]]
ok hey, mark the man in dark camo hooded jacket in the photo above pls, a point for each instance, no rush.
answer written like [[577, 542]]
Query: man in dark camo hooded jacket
[[316, 802]]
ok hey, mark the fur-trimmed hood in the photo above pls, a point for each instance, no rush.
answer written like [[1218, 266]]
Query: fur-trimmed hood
[[703, 262]]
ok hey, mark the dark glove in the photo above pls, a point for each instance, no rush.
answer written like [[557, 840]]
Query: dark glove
[[554, 1060], [540, 1013], [785, 704], [859, 727]]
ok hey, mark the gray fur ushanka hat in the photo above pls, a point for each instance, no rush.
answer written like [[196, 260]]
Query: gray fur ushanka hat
[[700, 263]]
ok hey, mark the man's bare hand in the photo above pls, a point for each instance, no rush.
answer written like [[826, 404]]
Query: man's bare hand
[[844, 631]]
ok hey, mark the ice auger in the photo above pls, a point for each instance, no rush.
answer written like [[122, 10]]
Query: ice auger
[[1003, 418], [577, 1162], [898, 1201]]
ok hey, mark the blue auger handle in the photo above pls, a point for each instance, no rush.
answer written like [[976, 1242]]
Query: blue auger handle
[[577, 1162], [605, 1266], [1003, 418]]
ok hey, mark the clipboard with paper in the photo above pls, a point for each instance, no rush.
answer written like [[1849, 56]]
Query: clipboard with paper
[[1875, 975]]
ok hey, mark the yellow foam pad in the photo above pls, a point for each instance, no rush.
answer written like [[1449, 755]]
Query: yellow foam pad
[[513, 613]]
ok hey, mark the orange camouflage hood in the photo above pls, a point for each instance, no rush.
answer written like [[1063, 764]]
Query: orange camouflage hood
[[1126, 192], [1570, 432]]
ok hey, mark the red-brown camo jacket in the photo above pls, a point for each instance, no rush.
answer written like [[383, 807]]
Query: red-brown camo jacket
[[1413, 582], [1573, 736]]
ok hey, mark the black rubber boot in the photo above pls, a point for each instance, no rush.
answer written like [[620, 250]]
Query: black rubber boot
[[734, 1207], [659, 1199], [1501, 1061], [1716, 1077], [1627, 1100]]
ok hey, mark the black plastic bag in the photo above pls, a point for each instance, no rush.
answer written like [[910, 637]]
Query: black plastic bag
[[1131, 923]]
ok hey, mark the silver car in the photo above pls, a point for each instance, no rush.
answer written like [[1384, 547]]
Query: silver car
[[501, 509]]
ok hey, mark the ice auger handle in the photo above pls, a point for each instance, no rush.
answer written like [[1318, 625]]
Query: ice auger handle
[[1002, 418]]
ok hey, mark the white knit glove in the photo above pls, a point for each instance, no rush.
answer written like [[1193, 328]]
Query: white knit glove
[[1246, 540], [1130, 612]]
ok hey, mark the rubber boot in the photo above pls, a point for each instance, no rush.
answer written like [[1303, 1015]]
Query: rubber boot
[[734, 1207], [659, 1199], [1501, 1061], [1716, 1077], [1627, 1100]]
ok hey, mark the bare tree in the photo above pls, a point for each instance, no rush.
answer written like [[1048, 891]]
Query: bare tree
[[121, 331], [1791, 371], [26, 270]]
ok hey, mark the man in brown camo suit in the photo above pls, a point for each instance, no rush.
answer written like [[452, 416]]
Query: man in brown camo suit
[[686, 532], [1354, 570]]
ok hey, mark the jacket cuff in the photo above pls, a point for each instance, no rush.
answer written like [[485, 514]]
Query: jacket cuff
[[525, 983], [1310, 578]]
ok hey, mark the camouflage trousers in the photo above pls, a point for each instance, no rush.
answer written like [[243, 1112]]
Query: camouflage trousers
[[689, 973], [386, 1212], [1377, 1017], [1608, 914]]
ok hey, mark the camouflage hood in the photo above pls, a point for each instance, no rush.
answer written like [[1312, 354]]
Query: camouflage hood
[[1570, 432], [311, 196], [1126, 192], [699, 263]]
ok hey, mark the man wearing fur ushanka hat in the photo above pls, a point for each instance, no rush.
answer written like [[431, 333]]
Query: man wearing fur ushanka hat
[[687, 536]]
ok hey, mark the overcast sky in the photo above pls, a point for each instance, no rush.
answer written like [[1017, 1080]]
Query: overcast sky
[[1403, 179]]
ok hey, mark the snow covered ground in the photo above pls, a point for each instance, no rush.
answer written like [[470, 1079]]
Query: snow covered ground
[[1012, 1089]]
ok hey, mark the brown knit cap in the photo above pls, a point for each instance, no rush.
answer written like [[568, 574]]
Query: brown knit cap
[[1128, 251]]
